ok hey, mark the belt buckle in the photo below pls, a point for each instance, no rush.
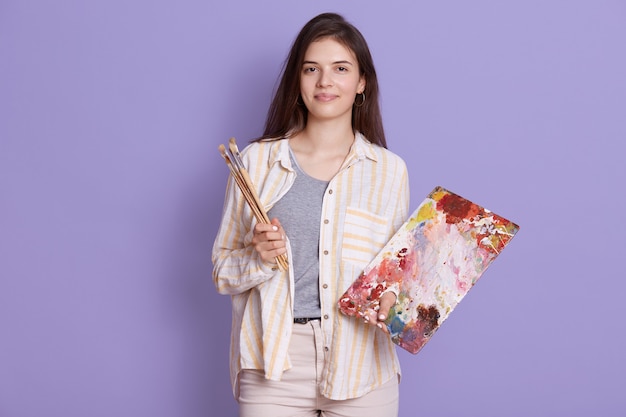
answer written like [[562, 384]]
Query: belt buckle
[[304, 320]]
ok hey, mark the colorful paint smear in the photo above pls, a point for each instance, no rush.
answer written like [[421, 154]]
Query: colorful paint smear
[[431, 262]]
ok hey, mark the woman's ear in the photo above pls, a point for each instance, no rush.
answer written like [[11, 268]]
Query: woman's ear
[[361, 86]]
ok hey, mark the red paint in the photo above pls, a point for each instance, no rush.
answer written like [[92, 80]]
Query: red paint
[[457, 208], [402, 256], [501, 238]]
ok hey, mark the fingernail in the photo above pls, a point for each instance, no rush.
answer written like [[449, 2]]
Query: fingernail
[[367, 319], [380, 326], [274, 228], [381, 317]]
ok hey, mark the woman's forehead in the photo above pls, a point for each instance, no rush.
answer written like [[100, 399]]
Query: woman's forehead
[[329, 49]]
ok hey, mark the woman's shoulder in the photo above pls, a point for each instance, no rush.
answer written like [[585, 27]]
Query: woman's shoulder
[[263, 146], [265, 153], [381, 153], [389, 154]]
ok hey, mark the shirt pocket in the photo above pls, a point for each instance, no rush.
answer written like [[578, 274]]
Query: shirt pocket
[[365, 234]]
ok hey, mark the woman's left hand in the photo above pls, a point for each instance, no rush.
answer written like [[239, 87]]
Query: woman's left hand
[[377, 318]]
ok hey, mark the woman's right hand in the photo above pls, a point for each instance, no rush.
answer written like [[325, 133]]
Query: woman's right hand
[[269, 241]]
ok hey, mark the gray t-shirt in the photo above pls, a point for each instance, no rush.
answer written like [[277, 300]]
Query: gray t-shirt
[[300, 213]]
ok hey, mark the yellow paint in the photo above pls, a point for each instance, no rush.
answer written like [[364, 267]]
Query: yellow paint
[[438, 195], [426, 212]]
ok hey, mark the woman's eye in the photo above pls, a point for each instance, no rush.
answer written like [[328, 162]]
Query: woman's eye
[[342, 69], [310, 69]]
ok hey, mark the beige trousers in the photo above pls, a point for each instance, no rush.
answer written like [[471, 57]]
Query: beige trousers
[[297, 393]]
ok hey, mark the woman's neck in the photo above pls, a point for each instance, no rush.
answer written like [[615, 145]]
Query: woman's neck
[[327, 136], [321, 148]]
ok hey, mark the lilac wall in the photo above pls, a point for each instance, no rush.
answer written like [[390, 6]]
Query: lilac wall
[[111, 189]]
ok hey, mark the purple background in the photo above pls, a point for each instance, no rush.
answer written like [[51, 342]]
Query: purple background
[[111, 190]]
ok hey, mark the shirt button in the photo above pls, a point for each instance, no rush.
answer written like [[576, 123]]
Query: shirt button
[[330, 191], [326, 221], [325, 252], [325, 286], [325, 316], [326, 348]]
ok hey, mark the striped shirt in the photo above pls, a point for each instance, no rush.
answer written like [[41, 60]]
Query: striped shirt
[[364, 204]]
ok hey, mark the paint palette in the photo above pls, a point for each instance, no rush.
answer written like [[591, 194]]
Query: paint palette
[[431, 263]]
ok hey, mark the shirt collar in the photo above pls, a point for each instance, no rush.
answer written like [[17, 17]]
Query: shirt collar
[[361, 149], [279, 153]]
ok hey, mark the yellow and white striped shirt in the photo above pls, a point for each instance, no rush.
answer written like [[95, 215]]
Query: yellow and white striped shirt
[[364, 204]]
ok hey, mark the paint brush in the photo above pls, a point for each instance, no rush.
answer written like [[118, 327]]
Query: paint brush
[[246, 186], [240, 182], [234, 150]]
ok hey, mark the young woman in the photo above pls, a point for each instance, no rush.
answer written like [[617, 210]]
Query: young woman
[[335, 195]]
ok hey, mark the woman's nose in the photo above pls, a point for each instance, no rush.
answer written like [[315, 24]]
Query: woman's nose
[[325, 79]]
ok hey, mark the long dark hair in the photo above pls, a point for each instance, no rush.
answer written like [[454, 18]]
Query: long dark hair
[[286, 117]]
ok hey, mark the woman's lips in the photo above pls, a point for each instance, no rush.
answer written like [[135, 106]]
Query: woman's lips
[[325, 97]]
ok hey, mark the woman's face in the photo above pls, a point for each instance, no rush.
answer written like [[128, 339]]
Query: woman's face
[[330, 80]]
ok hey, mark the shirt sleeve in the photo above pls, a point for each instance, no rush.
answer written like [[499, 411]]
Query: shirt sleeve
[[401, 212], [237, 266], [402, 208]]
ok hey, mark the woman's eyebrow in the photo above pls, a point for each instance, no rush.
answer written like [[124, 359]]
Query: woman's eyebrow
[[334, 63]]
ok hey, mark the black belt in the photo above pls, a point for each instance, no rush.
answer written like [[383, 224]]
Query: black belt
[[305, 320]]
